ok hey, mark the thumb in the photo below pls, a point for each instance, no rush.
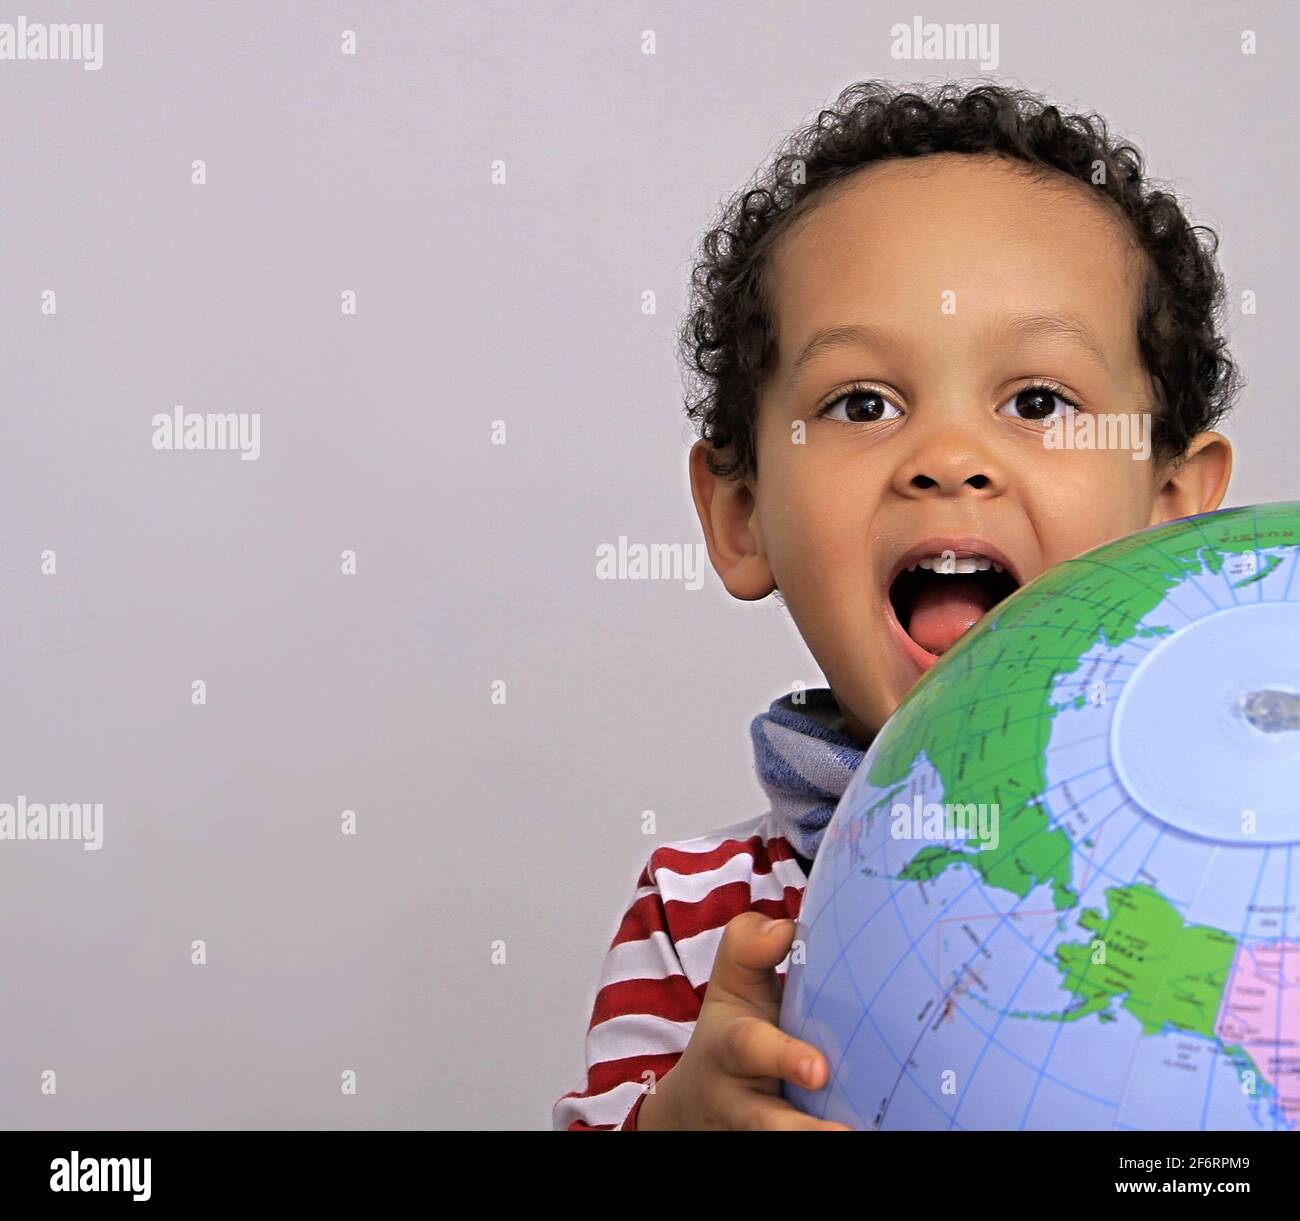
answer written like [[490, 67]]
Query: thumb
[[751, 946]]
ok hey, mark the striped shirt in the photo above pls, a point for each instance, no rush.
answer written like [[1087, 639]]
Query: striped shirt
[[658, 965]]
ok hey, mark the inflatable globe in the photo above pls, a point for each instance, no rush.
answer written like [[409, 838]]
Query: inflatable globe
[[1062, 890]]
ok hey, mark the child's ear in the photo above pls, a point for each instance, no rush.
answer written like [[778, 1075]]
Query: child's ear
[[731, 530], [1197, 482]]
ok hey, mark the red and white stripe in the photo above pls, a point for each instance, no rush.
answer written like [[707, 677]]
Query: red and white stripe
[[658, 965]]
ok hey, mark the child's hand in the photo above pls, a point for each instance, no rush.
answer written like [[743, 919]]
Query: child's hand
[[729, 1075]]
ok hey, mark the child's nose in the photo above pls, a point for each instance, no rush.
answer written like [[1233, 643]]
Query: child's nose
[[950, 467]]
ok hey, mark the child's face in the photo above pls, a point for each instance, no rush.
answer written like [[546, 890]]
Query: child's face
[[938, 258]]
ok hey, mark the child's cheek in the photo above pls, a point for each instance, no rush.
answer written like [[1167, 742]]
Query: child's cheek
[[1083, 499]]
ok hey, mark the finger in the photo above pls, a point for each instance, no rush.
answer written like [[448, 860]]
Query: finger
[[749, 1047], [750, 948], [752, 1111]]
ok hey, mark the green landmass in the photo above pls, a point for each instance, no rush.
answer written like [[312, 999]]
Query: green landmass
[[1164, 971], [984, 717]]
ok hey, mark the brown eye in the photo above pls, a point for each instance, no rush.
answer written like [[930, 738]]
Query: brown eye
[[861, 407], [1037, 404]]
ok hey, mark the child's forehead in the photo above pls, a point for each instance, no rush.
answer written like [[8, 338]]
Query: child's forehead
[[898, 239], [900, 207]]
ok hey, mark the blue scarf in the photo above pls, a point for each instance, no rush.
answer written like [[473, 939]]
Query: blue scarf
[[804, 762]]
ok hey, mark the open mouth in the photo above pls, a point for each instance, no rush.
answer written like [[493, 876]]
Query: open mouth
[[937, 598]]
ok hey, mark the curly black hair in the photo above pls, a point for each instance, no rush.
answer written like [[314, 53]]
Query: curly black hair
[[728, 336]]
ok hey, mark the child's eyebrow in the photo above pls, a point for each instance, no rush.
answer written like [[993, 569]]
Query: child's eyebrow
[[1068, 326], [1016, 328]]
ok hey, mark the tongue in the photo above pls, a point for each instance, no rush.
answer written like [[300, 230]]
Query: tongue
[[945, 607]]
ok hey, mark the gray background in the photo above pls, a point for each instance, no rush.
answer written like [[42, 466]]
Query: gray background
[[520, 823]]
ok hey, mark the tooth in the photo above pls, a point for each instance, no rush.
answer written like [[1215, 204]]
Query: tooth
[[964, 565], [997, 567], [982, 565], [925, 562], [911, 568]]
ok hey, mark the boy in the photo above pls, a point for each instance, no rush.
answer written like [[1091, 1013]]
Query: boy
[[886, 331]]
